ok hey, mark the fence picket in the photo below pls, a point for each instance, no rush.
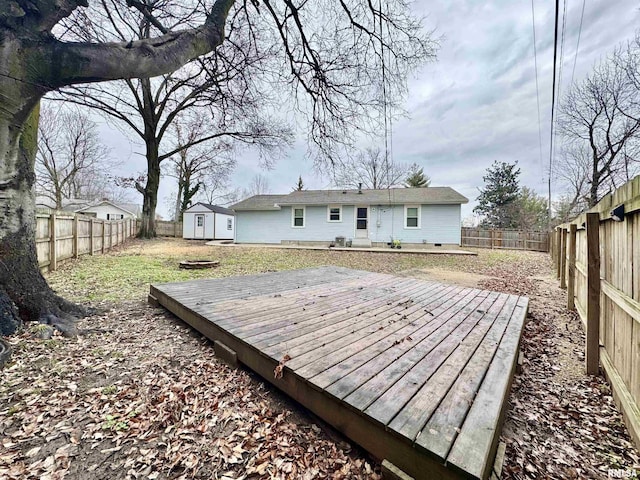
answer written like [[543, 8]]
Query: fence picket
[[65, 236], [606, 293], [505, 239]]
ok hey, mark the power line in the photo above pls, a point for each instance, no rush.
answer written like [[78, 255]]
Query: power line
[[564, 29], [535, 62], [553, 99], [559, 82], [387, 117], [575, 58]]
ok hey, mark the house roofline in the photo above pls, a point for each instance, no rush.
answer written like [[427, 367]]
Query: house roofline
[[101, 202]]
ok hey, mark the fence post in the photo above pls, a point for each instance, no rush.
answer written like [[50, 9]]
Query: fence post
[[76, 234], [563, 260], [558, 251], [104, 235], [53, 260], [571, 287], [593, 294], [91, 237]]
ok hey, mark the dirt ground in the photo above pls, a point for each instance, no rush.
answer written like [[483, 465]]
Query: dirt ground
[[145, 396]]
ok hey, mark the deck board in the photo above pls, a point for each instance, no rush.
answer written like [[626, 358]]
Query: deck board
[[416, 372]]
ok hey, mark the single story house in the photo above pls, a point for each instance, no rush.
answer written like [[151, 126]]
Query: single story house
[[208, 222], [427, 216], [106, 210]]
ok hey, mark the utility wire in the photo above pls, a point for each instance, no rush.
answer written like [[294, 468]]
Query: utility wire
[[553, 99], [561, 67], [535, 62], [386, 119], [575, 58], [559, 82]]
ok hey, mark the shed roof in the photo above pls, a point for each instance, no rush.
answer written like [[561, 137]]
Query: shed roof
[[392, 196], [213, 208]]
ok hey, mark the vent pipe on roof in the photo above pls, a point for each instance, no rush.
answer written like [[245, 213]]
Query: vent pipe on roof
[[360, 188]]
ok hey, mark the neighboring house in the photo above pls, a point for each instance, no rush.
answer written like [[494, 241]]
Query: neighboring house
[[107, 210], [208, 222], [103, 209], [68, 204], [427, 216]]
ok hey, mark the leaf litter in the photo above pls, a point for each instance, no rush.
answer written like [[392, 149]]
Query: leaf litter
[[149, 399], [561, 422]]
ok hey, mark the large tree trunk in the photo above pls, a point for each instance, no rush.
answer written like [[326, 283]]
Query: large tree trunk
[[150, 191], [24, 293], [33, 63]]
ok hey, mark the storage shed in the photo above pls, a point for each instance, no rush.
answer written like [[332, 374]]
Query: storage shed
[[203, 221]]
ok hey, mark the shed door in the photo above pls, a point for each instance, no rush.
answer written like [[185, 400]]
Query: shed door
[[362, 222], [199, 226]]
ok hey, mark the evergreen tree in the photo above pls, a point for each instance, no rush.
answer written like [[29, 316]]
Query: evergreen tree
[[533, 213], [416, 177], [498, 200], [299, 186]]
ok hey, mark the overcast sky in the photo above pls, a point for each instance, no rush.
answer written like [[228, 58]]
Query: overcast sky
[[475, 104]]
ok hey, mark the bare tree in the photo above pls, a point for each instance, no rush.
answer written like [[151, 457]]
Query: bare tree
[[197, 165], [332, 51], [71, 159], [216, 191], [572, 173], [600, 122], [259, 185], [371, 169], [69, 152], [222, 90]]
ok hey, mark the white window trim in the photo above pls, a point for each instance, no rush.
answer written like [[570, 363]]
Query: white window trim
[[229, 224], [304, 215], [406, 209], [329, 207]]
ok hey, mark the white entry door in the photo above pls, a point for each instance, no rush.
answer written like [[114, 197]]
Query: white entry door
[[362, 222], [199, 232]]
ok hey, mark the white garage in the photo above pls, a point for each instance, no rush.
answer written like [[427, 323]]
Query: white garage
[[203, 221]]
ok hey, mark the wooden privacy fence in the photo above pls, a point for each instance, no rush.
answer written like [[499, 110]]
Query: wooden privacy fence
[[165, 228], [60, 237], [597, 260], [511, 239]]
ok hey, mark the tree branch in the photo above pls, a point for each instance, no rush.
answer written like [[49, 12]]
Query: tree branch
[[67, 63]]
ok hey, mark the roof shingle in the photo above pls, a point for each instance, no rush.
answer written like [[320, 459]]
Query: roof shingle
[[392, 196]]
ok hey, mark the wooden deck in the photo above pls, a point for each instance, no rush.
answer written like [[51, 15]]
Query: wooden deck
[[416, 372]]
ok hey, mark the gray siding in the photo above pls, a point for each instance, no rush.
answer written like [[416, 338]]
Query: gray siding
[[439, 224]]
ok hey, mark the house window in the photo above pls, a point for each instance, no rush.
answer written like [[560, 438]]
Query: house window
[[297, 220], [115, 216], [334, 213], [199, 220], [229, 224], [412, 216]]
